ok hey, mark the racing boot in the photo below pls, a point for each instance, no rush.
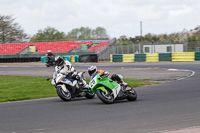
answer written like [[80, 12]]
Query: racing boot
[[124, 86], [84, 84], [122, 82]]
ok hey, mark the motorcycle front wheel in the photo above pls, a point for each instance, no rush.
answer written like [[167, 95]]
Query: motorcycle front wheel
[[105, 97], [131, 94], [65, 96]]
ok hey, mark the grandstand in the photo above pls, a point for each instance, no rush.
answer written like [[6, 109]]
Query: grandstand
[[100, 46], [55, 47], [32, 52]]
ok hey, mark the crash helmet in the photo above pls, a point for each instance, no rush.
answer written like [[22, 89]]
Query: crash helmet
[[59, 61], [92, 70]]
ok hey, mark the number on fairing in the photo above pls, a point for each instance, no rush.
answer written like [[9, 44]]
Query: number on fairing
[[92, 83]]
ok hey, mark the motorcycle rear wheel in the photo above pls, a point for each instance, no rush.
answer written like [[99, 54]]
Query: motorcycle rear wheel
[[106, 98], [65, 96]]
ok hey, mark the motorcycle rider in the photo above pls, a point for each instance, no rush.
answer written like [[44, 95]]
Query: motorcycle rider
[[66, 68], [93, 70], [49, 56]]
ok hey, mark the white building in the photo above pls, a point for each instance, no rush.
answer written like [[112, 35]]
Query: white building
[[163, 48]]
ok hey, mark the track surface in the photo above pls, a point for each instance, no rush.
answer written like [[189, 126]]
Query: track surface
[[167, 106]]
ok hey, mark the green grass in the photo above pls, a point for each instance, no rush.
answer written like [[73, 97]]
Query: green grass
[[14, 88]]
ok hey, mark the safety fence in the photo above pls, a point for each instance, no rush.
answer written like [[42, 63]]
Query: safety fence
[[70, 58], [76, 58], [155, 57], [38, 57]]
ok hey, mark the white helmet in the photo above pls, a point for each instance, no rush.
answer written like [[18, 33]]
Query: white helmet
[[59, 61], [92, 70]]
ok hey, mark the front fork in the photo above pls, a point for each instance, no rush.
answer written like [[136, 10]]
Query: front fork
[[63, 87]]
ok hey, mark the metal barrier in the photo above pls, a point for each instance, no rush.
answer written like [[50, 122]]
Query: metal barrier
[[155, 57], [152, 57], [165, 56], [187, 56], [128, 57], [140, 58]]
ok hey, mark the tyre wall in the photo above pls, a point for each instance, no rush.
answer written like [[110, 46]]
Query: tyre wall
[[12, 60], [155, 57]]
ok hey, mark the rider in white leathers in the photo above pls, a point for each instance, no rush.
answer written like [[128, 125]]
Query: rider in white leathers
[[66, 68]]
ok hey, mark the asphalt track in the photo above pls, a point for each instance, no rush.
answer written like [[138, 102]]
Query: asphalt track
[[168, 106]]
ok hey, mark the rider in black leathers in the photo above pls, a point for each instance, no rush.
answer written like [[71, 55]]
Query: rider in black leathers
[[50, 58]]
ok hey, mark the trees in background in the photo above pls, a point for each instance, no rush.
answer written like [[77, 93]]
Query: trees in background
[[85, 33], [48, 34], [190, 37], [179, 37], [82, 33], [10, 31]]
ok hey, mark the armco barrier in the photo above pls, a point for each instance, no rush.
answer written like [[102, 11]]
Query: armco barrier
[[43, 59], [74, 58], [67, 57], [140, 58], [152, 57], [36, 57], [187, 56], [155, 57], [70, 58], [88, 58], [165, 56], [12, 60], [128, 57], [111, 58], [117, 58], [197, 56]]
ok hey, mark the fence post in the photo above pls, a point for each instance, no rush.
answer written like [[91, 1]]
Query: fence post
[[133, 48], [127, 49]]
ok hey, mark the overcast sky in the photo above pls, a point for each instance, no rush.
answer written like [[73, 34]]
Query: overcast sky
[[118, 17]]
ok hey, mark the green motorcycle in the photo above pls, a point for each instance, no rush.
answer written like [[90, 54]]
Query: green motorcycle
[[108, 90]]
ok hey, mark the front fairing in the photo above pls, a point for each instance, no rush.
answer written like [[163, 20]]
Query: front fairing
[[96, 81], [70, 82], [53, 81], [60, 78]]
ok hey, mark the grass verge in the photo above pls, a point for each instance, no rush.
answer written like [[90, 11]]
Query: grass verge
[[15, 88]]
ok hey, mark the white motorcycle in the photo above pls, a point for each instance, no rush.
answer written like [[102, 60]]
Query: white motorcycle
[[68, 88]]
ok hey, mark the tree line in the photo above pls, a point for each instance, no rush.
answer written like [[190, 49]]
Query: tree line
[[11, 32], [190, 37]]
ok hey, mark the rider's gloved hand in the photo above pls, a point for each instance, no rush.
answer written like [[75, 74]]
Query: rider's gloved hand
[[75, 76]]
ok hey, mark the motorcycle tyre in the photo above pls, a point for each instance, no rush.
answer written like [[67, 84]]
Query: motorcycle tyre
[[61, 95], [102, 98], [131, 96], [89, 95]]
